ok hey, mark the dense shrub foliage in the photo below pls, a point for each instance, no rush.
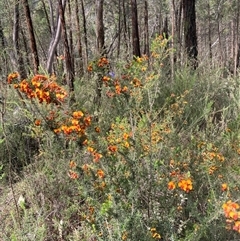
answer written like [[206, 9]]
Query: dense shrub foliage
[[155, 159]]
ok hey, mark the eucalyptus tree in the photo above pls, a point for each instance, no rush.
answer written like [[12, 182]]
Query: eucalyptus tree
[[146, 50], [100, 28], [56, 36], [33, 43], [79, 41], [18, 56], [67, 55], [190, 30], [135, 31]]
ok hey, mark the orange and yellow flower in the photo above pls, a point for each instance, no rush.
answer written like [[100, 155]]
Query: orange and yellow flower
[[112, 148], [41, 87], [236, 226], [12, 77], [171, 185], [72, 164], [224, 187], [185, 185], [105, 78], [90, 68], [100, 173], [102, 62], [37, 122], [73, 175], [77, 114], [96, 156]]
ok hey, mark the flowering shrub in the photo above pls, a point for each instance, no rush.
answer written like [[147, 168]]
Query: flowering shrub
[[40, 87], [139, 171], [232, 214]]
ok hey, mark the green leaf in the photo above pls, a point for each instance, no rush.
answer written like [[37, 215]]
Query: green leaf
[[106, 206], [2, 140]]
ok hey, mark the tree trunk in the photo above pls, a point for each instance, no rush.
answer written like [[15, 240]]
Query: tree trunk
[[71, 49], [179, 32], [100, 48], [79, 41], [146, 30], [119, 27], [2, 38], [51, 20], [100, 27], [125, 28], [46, 14], [220, 45], [236, 59], [16, 42], [173, 54], [54, 42], [135, 32], [232, 27], [209, 33], [3, 57], [85, 32], [190, 31], [25, 49], [164, 30], [33, 44], [67, 55]]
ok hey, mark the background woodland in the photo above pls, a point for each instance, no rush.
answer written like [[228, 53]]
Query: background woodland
[[119, 120]]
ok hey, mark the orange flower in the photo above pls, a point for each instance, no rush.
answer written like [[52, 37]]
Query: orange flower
[[125, 89], [220, 157], [85, 142], [224, 187], [37, 122], [73, 175], [236, 226], [171, 185], [102, 62], [156, 235], [139, 60], [105, 78], [72, 164], [233, 205], [97, 129], [125, 136], [112, 148], [100, 173], [185, 185], [40, 77], [97, 156], [77, 114], [230, 207], [61, 96], [110, 94], [58, 130], [124, 235], [90, 68], [87, 120], [233, 214], [90, 149], [118, 89], [136, 82], [66, 130], [126, 144], [12, 76], [85, 167], [75, 122]]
